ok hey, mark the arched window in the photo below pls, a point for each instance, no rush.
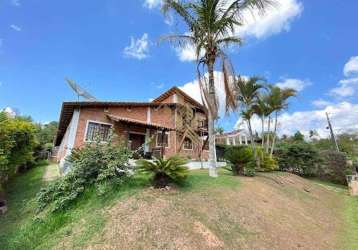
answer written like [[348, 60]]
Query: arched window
[[188, 143]]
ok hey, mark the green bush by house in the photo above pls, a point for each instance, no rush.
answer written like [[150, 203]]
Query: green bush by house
[[103, 165], [165, 171]]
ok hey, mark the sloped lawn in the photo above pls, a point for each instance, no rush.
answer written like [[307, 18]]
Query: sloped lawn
[[270, 211]]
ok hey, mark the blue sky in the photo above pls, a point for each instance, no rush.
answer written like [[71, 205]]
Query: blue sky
[[110, 48]]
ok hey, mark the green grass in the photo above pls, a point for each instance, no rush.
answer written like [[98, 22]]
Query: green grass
[[350, 214], [83, 222], [199, 180], [22, 228]]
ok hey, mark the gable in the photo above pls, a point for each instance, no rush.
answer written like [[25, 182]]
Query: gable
[[176, 95]]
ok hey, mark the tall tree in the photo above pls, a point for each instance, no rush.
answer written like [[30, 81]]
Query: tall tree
[[278, 101], [211, 27], [261, 109], [248, 97]]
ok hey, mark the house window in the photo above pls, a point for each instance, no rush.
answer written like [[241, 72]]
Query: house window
[[97, 131], [188, 144], [201, 123], [162, 139]]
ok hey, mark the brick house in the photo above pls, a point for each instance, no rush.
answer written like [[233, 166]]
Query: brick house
[[173, 123]]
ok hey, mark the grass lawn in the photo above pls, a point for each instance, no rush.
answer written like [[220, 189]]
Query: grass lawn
[[350, 215], [226, 212]]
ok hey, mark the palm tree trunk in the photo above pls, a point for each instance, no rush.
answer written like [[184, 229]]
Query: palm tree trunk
[[274, 136], [253, 143], [268, 135], [211, 123], [262, 138], [262, 132]]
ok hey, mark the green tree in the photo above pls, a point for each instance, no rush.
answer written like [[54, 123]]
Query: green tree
[[298, 137], [219, 130], [17, 141], [211, 27], [277, 100], [248, 96]]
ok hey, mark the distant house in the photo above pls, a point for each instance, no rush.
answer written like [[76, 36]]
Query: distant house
[[236, 137], [173, 123]]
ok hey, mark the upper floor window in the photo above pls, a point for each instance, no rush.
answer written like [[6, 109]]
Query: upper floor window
[[97, 131], [162, 138], [188, 144]]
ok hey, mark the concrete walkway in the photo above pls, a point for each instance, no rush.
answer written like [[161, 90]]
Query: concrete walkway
[[51, 173]]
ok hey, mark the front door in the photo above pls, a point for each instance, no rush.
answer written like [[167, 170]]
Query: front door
[[136, 140]]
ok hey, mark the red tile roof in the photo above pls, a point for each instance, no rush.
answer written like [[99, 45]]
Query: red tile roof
[[137, 122]]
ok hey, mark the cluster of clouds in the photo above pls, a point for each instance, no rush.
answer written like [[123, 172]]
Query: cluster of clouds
[[344, 114], [348, 87], [138, 48], [276, 19]]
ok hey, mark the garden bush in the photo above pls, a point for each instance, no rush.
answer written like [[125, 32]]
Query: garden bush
[[333, 167], [300, 158], [241, 160], [103, 165], [164, 172], [17, 141], [267, 163]]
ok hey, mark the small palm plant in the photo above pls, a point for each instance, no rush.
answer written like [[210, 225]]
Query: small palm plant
[[165, 171]]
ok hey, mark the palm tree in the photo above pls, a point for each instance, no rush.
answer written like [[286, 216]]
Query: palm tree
[[261, 109], [248, 97], [219, 130], [278, 101], [211, 27]]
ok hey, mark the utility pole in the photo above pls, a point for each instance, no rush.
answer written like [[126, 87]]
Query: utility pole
[[333, 138]]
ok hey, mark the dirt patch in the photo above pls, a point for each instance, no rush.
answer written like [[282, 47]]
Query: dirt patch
[[269, 211], [211, 240]]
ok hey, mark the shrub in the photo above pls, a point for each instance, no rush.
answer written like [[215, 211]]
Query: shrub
[[165, 171], [334, 167], [17, 141], [267, 163], [97, 164], [240, 157], [299, 158]]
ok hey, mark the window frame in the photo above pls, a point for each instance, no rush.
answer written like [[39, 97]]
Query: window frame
[[191, 143], [159, 132], [96, 122]]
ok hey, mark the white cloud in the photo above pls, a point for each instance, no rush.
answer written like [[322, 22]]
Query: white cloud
[[320, 103], [192, 89], [347, 88], [158, 85], [15, 3], [351, 67], [15, 27], [344, 117], [293, 83], [276, 19], [138, 48], [186, 54], [152, 3]]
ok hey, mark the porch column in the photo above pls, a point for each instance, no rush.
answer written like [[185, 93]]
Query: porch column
[[240, 139], [147, 138], [246, 140]]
